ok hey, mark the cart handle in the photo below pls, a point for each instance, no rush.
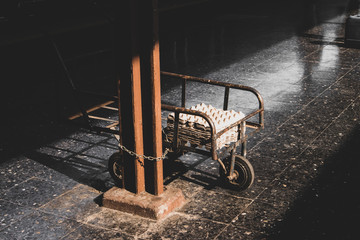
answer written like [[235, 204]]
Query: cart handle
[[223, 84]]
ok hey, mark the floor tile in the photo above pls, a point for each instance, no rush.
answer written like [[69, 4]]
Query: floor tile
[[188, 188], [88, 137], [24, 168], [100, 152], [238, 232], [184, 227], [72, 145], [291, 184], [119, 221], [251, 193], [11, 213], [260, 218], [34, 192], [14, 172], [40, 226], [267, 169], [75, 204], [218, 207], [85, 232]]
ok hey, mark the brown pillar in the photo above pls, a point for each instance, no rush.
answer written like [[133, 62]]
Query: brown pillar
[[150, 61], [156, 103], [140, 116], [130, 99], [140, 95]]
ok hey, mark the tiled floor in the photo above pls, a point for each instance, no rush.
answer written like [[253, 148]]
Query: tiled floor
[[305, 160]]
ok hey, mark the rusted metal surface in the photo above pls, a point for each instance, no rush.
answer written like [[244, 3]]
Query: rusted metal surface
[[179, 110], [242, 123], [183, 93], [226, 98], [119, 131], [223, 84], [156, 103], [242, 136], [136, 98], [102, 105]]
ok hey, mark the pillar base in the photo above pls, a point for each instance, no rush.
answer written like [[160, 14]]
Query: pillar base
[[144, 204]]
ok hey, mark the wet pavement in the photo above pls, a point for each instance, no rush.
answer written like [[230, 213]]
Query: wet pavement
[[305, 160]]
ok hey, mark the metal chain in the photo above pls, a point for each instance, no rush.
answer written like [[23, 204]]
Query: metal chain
[[134, 154]]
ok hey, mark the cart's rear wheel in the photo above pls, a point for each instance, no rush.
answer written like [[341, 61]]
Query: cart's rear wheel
[[116, 168], [243, 176]]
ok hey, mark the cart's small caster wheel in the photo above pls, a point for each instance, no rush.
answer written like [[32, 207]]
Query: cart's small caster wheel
[[175, 153], [243, 176], [116, 168]]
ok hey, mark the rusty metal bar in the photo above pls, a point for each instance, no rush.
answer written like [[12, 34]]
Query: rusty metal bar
[[183, 93], [113, 125], [211, 82], [110, 108], [232, 162], [156, 101], [178, 110], [136, 98], [90, 110], [224, 84], [242, 136], [176, 131], [120, 131], [106, 130], [261, 119], [102, 118], [253, 125], [226, 98]]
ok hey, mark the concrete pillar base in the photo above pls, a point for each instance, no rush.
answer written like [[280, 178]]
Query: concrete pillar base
[[144, 204]]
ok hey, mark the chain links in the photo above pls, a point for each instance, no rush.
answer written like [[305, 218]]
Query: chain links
[[134, 154]]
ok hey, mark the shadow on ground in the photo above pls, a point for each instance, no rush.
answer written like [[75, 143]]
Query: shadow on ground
[[330, 207]]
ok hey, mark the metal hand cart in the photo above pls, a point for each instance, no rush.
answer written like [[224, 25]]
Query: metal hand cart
[[235, 169]]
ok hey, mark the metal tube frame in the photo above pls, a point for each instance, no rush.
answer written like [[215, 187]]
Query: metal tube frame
[[242, 124]]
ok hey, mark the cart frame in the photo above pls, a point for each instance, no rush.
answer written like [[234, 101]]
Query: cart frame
[[242, 123]]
